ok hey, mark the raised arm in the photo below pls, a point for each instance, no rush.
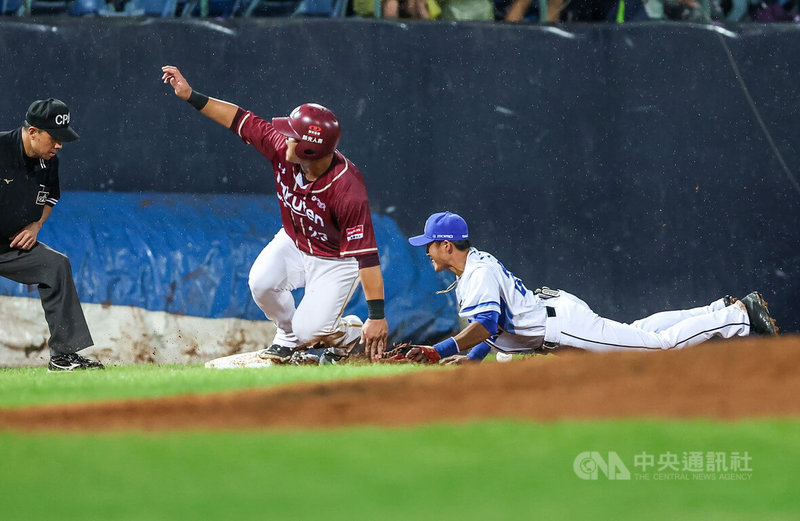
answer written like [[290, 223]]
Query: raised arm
[[220, 111]]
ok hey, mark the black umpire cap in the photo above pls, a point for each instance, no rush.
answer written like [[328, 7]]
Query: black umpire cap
[[52, 116]]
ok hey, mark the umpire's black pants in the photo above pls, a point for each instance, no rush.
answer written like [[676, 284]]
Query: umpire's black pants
[[51, 271]]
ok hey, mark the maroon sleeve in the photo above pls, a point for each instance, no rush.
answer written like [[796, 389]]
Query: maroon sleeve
[[355, 221], [258, 132]]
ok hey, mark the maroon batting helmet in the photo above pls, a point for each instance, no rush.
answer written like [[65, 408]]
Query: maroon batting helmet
[[315, 128]]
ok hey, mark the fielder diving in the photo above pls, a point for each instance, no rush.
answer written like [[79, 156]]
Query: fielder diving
[[506, 315], [327, 241]]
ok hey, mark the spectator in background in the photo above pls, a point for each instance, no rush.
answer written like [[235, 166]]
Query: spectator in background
[[736, 10], [776, 11], [458, 10], [526, 10], [579, 10], [683, 10], [417, 9]]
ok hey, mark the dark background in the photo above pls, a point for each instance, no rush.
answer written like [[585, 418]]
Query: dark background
[[621, 163]]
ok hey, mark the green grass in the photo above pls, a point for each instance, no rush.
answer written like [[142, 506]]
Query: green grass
[[494, 470], [488, 470], [22, 387]]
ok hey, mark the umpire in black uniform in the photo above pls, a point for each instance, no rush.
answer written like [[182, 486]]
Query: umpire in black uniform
[[29, 190]]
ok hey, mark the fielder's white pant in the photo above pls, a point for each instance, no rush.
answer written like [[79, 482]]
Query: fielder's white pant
[[576, 325], [329, 283]]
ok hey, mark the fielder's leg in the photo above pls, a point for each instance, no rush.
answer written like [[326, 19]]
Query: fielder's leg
[[576, 325], [664, 319]]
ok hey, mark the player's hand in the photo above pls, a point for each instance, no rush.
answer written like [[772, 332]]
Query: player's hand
[[174, 77], [457, 360], [424, 355], [373, 336], [25, 239]]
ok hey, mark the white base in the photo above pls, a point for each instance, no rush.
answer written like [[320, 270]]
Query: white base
[[239, 361]]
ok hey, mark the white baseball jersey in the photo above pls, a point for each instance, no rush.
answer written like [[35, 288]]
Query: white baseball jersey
[[486, 285], [526, 319]]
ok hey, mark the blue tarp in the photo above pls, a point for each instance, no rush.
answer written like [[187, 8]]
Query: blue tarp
[[191, 254]]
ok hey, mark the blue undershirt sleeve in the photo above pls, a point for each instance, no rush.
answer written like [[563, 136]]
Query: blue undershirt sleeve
[[487, 319], [479, 352]]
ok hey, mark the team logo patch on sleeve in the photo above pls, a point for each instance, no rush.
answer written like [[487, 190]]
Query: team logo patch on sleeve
[[356, 232]]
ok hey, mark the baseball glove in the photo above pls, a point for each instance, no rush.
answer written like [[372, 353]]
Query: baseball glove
[[407, 353]]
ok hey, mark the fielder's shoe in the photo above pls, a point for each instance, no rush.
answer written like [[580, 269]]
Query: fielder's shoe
[[71, 362], [277, 353], [761, 323]]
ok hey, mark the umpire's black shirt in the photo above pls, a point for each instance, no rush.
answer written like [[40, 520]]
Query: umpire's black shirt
[[26, 185]]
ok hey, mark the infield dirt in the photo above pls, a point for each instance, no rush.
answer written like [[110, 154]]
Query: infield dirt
[[726, 380]]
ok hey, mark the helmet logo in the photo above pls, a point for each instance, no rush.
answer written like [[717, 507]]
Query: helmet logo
[[312, 139], [314, 134]]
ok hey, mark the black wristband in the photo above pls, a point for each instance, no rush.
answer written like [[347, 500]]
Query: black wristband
[[197, 100], [375, 309]]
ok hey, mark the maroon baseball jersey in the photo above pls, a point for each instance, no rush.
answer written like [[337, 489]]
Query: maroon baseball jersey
[[328, 217]]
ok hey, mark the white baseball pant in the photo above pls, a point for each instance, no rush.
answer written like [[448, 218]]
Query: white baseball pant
[[329, 284], [576, 325]]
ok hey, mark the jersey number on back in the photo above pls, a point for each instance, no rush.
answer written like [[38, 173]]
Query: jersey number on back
[[518, 285]]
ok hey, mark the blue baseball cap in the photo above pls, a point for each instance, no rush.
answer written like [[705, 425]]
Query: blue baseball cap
[[442, 226]]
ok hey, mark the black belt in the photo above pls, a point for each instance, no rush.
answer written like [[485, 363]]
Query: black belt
[[551, 312]]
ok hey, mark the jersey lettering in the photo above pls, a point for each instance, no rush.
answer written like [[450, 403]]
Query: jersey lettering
[[297, 204]]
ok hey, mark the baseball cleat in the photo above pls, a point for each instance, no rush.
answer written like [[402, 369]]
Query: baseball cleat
[[277, 353], [308, 356], [71, 362], [333, 356], [729, 300], [761, 323]]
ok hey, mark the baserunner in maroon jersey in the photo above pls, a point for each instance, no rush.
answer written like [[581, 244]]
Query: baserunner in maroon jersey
[[327, 242]]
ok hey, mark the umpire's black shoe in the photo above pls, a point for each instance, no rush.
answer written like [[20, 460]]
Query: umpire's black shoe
[[280, 354], [71, 362], [761, 323]]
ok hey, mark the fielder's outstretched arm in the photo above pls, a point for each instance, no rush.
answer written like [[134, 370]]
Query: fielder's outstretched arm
[[220, 111], [470, 336]]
